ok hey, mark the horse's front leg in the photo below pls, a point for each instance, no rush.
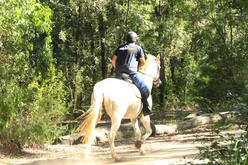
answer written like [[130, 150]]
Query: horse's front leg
[[137, 133], [114, 127], [146, 123]]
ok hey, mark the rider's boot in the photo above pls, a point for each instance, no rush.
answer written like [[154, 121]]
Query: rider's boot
[[146, 107]]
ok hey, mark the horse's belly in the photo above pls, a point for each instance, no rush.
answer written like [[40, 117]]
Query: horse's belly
[[134, 109]]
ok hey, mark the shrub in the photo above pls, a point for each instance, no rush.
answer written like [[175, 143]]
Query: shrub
[[235, 148], [32, 114]]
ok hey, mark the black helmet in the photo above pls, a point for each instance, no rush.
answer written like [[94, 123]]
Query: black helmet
[[131, 37]]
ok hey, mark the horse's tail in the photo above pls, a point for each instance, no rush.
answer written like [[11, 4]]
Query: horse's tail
[[92, 116]]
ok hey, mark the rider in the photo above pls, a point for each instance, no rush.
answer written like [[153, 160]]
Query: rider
[[126, 60]]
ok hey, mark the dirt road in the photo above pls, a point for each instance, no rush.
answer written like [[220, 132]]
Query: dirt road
[[179, 148]]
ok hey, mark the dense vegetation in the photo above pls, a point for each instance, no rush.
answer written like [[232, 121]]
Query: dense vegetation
[[53, 52]]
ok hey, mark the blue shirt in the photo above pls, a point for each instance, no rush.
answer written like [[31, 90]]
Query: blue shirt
[[128, 58]]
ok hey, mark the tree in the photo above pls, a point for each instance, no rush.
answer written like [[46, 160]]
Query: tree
[[31, 95], [220, 22]]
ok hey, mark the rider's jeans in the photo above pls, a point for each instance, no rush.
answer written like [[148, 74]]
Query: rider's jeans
[[141, 85]]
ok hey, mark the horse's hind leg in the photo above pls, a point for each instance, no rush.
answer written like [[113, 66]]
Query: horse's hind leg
[[114, 127], [137, 133]]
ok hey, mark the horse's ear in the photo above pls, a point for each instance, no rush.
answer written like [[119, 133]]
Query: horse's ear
[[158, 58]]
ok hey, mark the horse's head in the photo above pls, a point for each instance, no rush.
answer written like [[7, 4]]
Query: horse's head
[[157, 82], [152, 68]]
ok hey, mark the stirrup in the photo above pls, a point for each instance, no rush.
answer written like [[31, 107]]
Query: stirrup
[[148, 113]]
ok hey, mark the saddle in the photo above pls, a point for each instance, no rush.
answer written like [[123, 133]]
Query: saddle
[[127, 78]]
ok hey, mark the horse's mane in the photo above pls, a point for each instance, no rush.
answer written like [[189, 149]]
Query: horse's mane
[[148, 61]]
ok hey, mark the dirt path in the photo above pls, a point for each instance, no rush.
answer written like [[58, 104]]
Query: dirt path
[[179, 148]]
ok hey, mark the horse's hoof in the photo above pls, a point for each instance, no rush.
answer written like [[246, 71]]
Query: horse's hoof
[[142, 152], [117, 159], [138, 144]]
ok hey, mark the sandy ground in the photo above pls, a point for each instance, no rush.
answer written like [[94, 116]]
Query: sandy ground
[[179, 148]]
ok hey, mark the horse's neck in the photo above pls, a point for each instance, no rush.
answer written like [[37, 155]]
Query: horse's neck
[[147, 80], [147, 74]]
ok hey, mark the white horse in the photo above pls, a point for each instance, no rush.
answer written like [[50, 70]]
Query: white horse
[[120, 100]]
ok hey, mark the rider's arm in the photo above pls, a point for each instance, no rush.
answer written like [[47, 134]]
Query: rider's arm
[[142, 63], [114, 61]]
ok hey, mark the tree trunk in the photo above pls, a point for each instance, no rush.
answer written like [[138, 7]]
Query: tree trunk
[[93, 54], [76, 59], [103, 48], [128, 4], [162, 69], [162, 86]]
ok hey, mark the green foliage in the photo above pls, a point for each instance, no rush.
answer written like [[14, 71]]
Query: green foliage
[[231, 149], [25, 36], [31, 91], [48, 108], [216, 36], [235, 152], [31, 114], [53, 52]]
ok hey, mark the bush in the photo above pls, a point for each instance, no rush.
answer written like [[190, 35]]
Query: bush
[[235, 152], [31, 114], [31, 92], [231, 150]]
